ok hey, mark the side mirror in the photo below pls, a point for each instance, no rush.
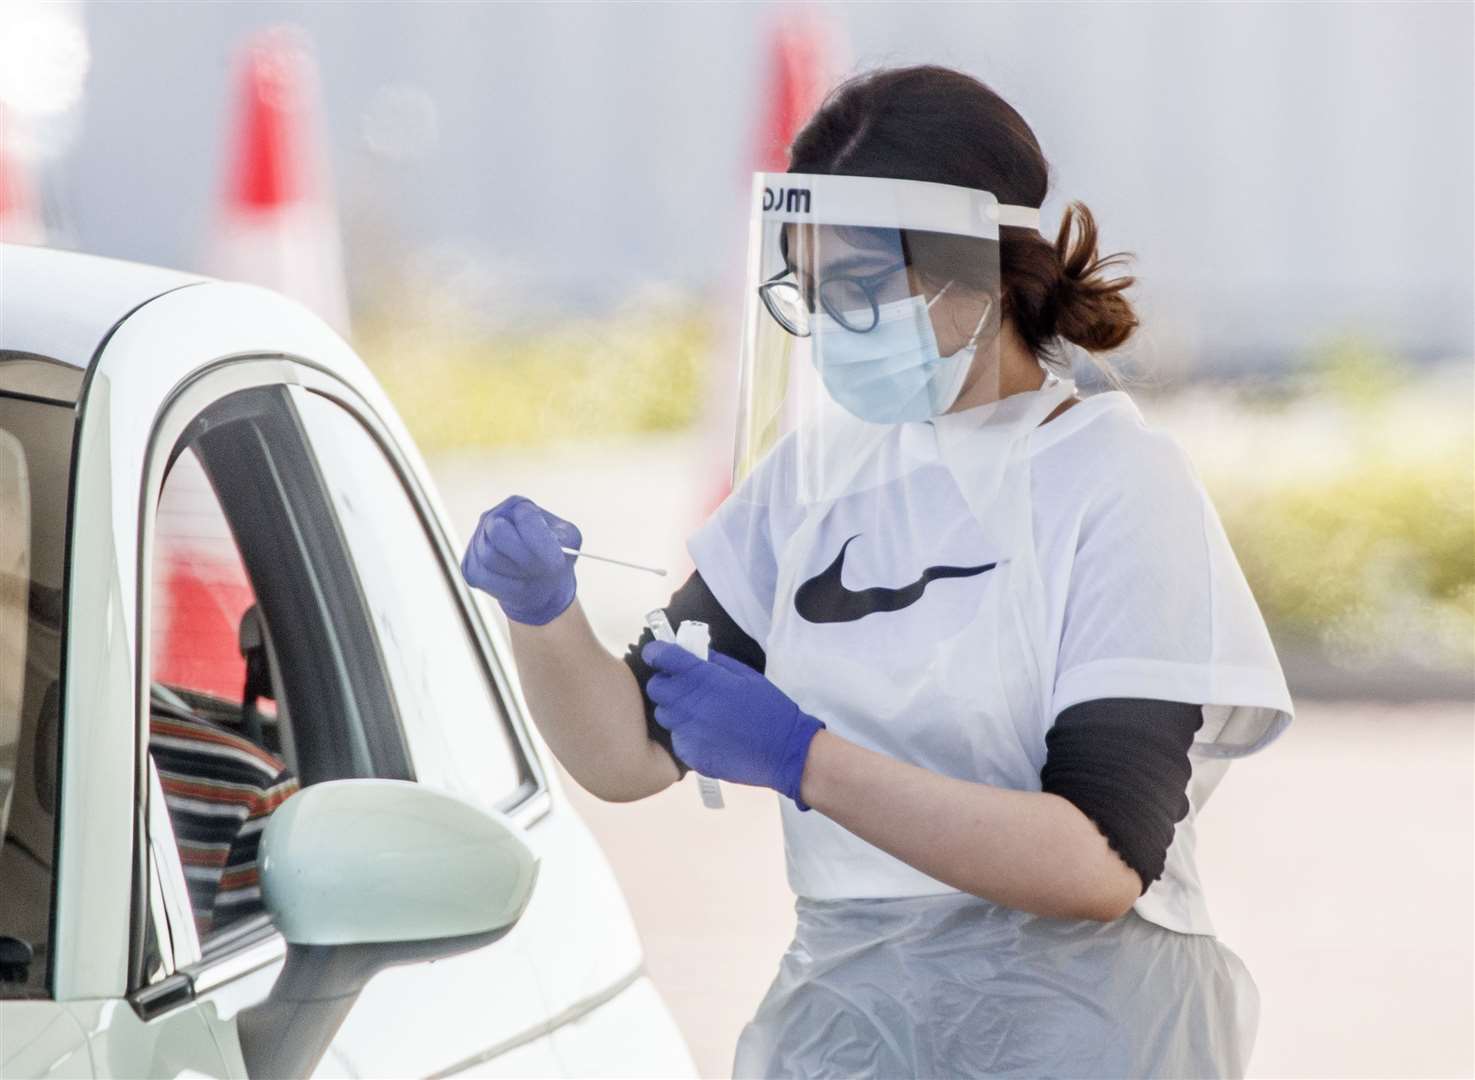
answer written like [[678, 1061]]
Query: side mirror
[[360, 875]]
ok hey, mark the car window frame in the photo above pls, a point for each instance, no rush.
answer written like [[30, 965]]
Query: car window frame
[[193, 967], [192, 972]]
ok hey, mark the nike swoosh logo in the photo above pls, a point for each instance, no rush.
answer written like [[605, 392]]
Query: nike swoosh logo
[[824, 599]]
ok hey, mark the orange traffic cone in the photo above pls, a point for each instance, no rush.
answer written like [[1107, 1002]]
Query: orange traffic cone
[[800, 55], [20, 208], [278, 225]]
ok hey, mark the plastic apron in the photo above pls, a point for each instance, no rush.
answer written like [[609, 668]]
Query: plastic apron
[[893, 973]]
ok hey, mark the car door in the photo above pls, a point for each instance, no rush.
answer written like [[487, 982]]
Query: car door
[[229, 358], [230, 537], [199, 382], [272, 666]]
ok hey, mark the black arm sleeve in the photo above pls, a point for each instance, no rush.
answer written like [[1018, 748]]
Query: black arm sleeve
[[1124, 763], [692, 601]]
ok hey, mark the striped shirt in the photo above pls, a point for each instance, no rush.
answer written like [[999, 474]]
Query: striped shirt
[[220, 788]]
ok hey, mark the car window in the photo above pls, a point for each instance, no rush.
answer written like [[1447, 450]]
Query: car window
[[213, 734], [35, 462], [264, 674], [442, 685], [201, 593]]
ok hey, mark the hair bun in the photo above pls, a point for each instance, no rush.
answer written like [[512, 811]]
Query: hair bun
[[1090, 310]]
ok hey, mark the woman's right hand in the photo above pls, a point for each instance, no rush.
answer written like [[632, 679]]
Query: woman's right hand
[[516, 555]]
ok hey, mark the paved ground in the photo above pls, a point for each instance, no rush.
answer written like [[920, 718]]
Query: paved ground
[[1340, 864]]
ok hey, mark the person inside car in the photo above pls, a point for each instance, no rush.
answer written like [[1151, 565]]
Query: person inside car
[[220, 788]]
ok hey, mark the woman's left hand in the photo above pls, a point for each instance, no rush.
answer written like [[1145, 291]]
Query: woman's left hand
[[729, 722]]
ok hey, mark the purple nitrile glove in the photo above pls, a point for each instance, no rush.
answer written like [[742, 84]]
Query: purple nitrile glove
[[515, 555], [729, 722]]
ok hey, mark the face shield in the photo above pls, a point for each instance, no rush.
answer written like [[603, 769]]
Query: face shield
[[870, 302]]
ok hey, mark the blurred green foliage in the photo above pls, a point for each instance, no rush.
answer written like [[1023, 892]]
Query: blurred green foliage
[[1374, 560], [1380, 562], [1354, 371], [632, 372]]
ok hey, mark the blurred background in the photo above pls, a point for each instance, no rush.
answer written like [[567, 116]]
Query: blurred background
[[529, 219]]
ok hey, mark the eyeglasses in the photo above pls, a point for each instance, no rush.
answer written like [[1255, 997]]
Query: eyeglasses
[[849, 299]]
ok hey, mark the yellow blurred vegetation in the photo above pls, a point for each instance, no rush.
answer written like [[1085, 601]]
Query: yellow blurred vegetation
[[632, 372], [1377, 564], [1360, 539]]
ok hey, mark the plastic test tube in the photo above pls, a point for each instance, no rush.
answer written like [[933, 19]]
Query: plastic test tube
[[660, 626], [694, 637]]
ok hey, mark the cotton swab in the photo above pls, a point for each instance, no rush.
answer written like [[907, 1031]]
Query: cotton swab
[[616, 562]]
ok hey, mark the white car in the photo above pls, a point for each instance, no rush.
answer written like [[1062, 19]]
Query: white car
[[270, 801]]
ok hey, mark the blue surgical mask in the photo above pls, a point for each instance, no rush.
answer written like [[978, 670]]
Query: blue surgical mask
[[893, 372]]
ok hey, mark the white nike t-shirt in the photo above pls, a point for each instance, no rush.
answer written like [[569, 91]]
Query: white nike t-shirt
[[1143, 598]]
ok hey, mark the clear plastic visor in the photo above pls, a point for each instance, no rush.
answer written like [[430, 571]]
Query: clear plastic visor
[[870, 303]]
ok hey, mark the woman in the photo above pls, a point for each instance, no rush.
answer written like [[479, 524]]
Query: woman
[[975, 622]]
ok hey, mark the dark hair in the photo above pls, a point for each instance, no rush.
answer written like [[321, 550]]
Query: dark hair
[[931, 123]]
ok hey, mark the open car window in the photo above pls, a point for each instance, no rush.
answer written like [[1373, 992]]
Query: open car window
[[264, 674], [216, 737]]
